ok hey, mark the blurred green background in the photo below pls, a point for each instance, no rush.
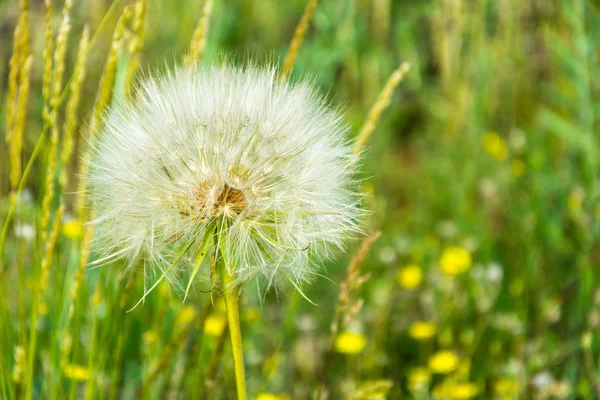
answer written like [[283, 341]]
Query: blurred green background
[[482, 176]]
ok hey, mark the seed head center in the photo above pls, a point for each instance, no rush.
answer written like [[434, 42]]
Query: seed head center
[[230, 203]]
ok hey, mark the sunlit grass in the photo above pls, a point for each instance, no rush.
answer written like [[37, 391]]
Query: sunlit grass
[[481, 174]]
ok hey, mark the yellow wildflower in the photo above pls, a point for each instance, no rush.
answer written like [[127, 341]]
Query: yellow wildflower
[[30, 282], [495, 146], [455, 260], [72, 229], [418, 378], [517, 167], [251, 314], [20, 364], [446, 337], [455, 390], [443, 362], [373, 389], [516, 287], [349, 343], [464, 367], [186, 315], [149, 337], [267, 396], [495, 347], [43, 308], [272, 396], [506, 386], [586, 340], [214, 324], [463, 391], [422, 330], [431, 241], [220, 304], [575, 201], [96, 298], [410, 276], [271, 363], [76, 372], [164, 290]]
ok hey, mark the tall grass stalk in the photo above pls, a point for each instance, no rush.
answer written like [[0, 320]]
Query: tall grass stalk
[[72, 110], [18, 89], [101, 103], [347, 306], [40, 290], [296, 43], [382, 102], [41, 140], [136, 43], [198, 42]]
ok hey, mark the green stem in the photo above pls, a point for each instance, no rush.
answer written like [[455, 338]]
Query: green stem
[[39, 145], [231, 292]]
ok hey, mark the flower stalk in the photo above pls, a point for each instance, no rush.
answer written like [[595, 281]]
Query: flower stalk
[[231, 292]]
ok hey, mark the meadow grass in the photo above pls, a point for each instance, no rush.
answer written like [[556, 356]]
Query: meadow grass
[[480, 169]]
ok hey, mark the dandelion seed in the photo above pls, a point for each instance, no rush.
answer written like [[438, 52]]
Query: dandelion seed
[[224, 159]]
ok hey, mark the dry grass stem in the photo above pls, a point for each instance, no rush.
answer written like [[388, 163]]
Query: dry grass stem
[[16, 144], [103, 98], [383, 100], [17, 93], [352, 283], [72, 111], [48, 46], [137, 40], [346, 307], [107, 81], [198, 42], [296, 43], [167, 355], [62, 41]]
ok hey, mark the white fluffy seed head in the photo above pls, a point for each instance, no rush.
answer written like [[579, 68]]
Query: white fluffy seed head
[[231, 150]]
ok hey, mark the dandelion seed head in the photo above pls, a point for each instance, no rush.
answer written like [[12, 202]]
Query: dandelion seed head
[[267, 164]]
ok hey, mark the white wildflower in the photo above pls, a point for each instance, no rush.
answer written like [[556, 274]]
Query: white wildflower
[[225, 160]]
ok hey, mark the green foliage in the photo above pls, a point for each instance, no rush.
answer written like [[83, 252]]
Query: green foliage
[[490, 144]]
